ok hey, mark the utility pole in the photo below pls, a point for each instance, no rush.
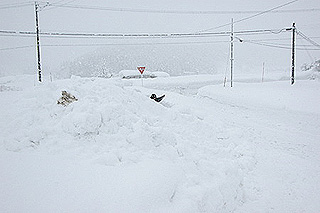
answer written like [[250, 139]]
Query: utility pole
[[38, 40], [231, 53], [262, 77], [293, 52]]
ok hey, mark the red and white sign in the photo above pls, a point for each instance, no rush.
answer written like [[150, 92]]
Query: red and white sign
[[141, 69]]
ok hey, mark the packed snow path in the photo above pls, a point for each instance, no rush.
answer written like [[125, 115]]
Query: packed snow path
[[245, 149]]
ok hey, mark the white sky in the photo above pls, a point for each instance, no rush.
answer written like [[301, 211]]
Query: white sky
[[77, 20]]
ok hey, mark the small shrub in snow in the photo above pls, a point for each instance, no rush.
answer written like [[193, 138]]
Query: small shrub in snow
[[313, 66], [66, 99]]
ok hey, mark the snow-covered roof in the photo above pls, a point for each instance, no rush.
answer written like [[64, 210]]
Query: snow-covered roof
[[161, 74], [134, 74]]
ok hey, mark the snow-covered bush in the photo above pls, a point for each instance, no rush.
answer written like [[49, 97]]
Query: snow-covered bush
[[306, 67], [313, 66]]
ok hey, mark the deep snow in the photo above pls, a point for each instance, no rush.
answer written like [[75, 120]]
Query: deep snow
[[204, 148]]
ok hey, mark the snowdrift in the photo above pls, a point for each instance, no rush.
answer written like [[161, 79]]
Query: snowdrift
[[164, 157], [116, 150]]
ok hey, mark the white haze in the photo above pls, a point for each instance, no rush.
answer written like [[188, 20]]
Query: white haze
[[198, 56]]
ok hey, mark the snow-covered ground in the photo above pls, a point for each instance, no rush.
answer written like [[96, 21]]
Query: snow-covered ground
[[205, 148]]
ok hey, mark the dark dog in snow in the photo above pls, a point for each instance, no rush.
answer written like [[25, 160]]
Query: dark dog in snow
[[157, 99]]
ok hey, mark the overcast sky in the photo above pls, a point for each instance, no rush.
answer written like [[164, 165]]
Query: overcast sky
[[22, 59]]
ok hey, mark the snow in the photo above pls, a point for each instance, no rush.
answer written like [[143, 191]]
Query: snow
[[281, 96], [134, 74], [146, 74], [161, 74], [204, 148]]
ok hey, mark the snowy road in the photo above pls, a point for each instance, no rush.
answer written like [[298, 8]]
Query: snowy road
[[252, 148], [286, 144]]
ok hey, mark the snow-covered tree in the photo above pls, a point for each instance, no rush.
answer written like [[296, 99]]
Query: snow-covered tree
[[177, 60]]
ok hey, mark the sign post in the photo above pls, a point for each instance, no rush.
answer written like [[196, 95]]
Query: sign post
[[141, 70]]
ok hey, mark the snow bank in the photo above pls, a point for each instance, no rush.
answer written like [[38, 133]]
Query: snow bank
[[283, 123], [161, 74], [301, 97], [164, 157], [59, 184], [116, 150]]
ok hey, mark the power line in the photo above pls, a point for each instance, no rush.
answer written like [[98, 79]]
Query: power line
[[142, 35], [308, 53], [279, 39], [65, 3], [16, 35], [203, 12], [277, 46], [19, 47], [274, 45], [116, 44], [250, 17], [128, 36], [135, 44], [308, 39], [15, 6]]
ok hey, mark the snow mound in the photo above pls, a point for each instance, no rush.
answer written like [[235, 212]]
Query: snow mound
[[203, 166], [161, 74], [275, 95]]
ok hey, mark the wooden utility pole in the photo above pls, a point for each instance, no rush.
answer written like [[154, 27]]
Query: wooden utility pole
[[293, 52], [38, 40], [231, 53]]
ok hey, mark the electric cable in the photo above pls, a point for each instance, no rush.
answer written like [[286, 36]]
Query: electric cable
[[141, 35], [308, 53], [19, 47], [205, 12], [15, 6], [250, 17], [308, 39], [54, 7], [278, 46], [115, 44]]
